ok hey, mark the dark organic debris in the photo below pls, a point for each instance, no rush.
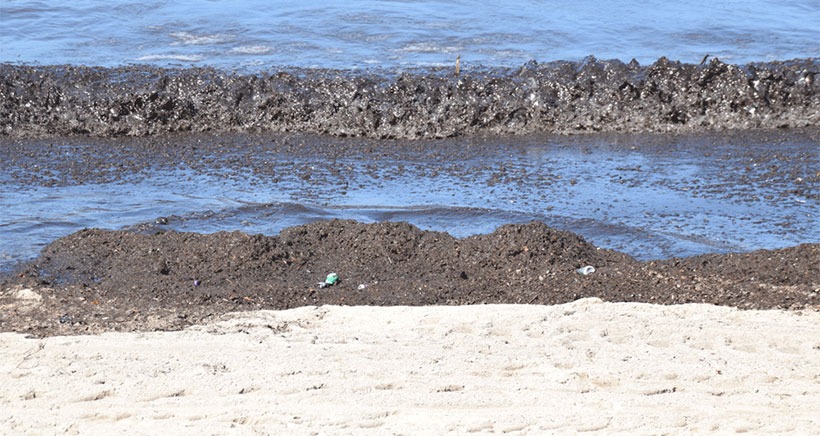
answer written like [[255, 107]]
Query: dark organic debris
[[557, 97], [112, 280]]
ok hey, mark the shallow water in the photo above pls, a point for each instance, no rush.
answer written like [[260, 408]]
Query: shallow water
[[249, 35], [651, 196]]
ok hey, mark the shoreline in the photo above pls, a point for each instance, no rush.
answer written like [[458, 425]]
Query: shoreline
[[766, 179], [96, 280]]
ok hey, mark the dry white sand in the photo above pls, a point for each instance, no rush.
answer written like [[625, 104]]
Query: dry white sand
[[581, 367]]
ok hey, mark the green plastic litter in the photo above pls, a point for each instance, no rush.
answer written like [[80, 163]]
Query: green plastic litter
[[332, 278]]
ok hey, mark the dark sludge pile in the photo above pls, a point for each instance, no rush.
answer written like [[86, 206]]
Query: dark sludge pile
[[556, 97], [120, 280]]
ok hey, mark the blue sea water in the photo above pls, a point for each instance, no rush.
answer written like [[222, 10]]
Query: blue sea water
[[649, 196], [248, 35]]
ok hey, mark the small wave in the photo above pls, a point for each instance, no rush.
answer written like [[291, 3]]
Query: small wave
[[429, 47], [251, 50], [170, 57], [185, 38]]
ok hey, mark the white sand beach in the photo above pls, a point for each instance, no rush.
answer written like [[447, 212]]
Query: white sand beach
[[588, 366]]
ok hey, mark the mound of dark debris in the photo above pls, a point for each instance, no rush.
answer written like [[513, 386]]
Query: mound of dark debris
[[555, 97], [98, 280]]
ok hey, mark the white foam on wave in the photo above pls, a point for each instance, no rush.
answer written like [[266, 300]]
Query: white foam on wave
[[186, 38], [429, 47], [170, 57], [251, 49]]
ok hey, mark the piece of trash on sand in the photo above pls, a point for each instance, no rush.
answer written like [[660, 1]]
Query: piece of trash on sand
[[362, 286], [586, 270], [331, 280]]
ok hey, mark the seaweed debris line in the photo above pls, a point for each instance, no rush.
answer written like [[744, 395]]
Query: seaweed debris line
[[99, 280], [556, 97]]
